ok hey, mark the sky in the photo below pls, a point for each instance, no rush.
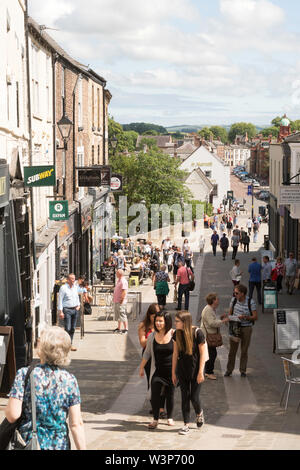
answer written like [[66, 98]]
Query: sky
[[193, 62]]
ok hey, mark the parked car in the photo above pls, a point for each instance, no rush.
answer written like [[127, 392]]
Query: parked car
[[264, 196], [242, 207], [255, 184]]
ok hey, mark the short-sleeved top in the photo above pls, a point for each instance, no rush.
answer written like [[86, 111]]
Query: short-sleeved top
[[56, 391], [188, 366], [183, 274], [161, 276], [291, 267], [255, 272], [242, 308], [121, 285]]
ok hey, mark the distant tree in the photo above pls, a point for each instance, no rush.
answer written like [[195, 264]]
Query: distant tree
[[147, 141], [295, 125], [141, 127], [219, 132], [274, 131], [240, 128], [131, 138], [206, 133], [151, 132], [276, 121]]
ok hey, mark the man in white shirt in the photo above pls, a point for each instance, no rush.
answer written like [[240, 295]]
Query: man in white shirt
[[69, 305], [249, 226]]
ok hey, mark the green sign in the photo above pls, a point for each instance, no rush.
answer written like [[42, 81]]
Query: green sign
[[35, 176], [229, 194], [58, 210]]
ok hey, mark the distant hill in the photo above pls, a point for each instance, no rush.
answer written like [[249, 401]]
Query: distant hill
[[193, 128]]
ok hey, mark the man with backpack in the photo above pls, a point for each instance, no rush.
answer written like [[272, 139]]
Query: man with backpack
[[244, 309]]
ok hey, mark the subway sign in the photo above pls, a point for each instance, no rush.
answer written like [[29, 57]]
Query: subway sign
[[35, 176]]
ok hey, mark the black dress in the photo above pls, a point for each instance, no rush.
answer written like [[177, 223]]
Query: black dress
[[161, 383]]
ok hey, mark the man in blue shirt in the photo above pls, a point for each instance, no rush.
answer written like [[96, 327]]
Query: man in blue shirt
[[69, 305], [254, 270], [214, 242]]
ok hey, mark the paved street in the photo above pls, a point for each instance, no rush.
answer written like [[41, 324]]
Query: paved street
[[240, 413]]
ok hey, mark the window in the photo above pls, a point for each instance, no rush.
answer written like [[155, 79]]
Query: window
[[18, 104], [208, 174], [215, 190], [93, 155]]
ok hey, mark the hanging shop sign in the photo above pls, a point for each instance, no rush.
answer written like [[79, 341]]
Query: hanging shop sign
[[35, 176], [229, 194], [4, 185], [94, 176], [289, 195], [58, 210], [116, 183]]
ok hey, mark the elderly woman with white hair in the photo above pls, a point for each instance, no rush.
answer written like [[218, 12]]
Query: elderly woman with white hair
[[161, 279], [57, 396]]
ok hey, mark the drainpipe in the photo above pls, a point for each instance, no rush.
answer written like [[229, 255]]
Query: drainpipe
[[54, 60], [30, 132], [74, 142]]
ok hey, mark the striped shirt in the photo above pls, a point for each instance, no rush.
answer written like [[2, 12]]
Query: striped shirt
[[241, 308]]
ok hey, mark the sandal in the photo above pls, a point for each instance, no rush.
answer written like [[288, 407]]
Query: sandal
[[153, 425], [171, 422]]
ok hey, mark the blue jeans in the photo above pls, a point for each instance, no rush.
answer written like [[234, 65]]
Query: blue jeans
[[70, 320], [183, 289]]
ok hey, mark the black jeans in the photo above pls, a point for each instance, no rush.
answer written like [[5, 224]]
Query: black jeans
[[252, 285], [210, 364], [224, 252], [183, 289], [190, 392], [214, 247], [158, 391], [234, 251]]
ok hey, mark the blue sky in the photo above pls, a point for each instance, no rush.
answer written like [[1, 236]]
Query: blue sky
[[186, 61]]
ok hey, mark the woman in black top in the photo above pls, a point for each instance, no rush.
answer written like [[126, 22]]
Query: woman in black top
[[160, 349], [188, 366]]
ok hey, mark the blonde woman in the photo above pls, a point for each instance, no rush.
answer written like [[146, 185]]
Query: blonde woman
[[189, 356], [57, 396]]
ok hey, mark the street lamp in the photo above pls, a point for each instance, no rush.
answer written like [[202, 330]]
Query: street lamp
[[65, 126]]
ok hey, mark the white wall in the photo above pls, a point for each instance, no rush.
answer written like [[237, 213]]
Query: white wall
[[13, 97], [197, 187], [41, 85], [220, 173]]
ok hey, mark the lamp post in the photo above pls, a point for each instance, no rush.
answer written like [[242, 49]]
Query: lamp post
[[65, 126]]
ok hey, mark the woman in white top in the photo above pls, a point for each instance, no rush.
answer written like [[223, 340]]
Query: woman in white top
[[236, 273]]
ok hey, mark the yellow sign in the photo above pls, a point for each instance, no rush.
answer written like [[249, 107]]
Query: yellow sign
[[3, 186]]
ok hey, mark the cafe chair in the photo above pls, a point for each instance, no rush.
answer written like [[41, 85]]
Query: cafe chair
[[290, 378]]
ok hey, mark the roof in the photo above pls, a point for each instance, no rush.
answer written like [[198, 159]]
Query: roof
[[42, 36], [186, 148], [293, 138], [201, 174], [161, 140]]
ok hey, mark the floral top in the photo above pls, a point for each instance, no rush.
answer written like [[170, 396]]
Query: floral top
[[56, 391]]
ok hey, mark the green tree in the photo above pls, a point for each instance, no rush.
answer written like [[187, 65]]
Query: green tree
[[295, 125], [206, 133], [240, 128], [151, 132], [141, 127], [219, 132], [270, 130]]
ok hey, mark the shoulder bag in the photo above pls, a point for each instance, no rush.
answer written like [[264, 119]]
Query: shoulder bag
[[7, 429], [17, 442], [214, 340], [191, 282]]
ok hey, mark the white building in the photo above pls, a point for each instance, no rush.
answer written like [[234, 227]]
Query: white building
[[237, 155], [13, 97], [41, 101], [214, 169]]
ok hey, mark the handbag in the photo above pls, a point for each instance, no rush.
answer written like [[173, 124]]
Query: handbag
[[17, 442], [191, 285], [8, 429], [214, 340]]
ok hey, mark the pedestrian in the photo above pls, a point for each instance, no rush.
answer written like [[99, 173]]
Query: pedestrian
[[120, 302], [170, 260], [279, 268], [146, 327], [235, 240], [224, 244], [290, 272], [229, 227], [161, 279], [69, 306], [236, 273], [214, 242], [266, 270], [210, 325], [255, 232], [242, 236], [121, 260], [188, 362], [201, 245], [178, 257], [254, 270], [165, 246], [244, 309], [246, 242], [56, 392], [188, 256], [159, 349], [222, 228], [249, 224], [183, 277]]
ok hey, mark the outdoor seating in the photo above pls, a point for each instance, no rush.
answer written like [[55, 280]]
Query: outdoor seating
[[133, 280], [290, 378]]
